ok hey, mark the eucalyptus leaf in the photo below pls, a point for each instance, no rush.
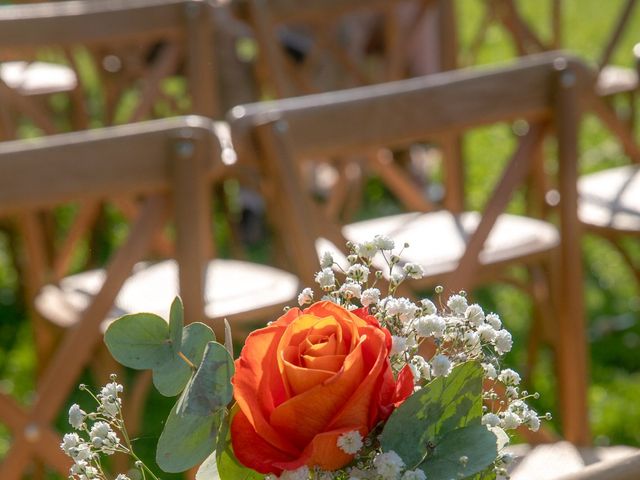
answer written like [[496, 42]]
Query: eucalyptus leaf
[[228, 467], [443, 405], [211, 387], [187, 440], [461, 453], [176, 324], [139, 341], [172, 377]]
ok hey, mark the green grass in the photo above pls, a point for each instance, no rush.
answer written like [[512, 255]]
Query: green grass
[[611, 294]]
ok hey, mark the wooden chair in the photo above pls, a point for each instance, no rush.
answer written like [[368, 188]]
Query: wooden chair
[[625, 469], [455, 249], [171, 164]]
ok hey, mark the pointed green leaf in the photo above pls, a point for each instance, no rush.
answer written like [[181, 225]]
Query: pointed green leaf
[[139, 341], [228, 339], [172, 377], [176, 324], [211, 387], [443, 405], [187, 440], [227, 465], [461, 453]]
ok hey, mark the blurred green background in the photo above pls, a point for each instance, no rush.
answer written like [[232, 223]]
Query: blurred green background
[[612, 295]]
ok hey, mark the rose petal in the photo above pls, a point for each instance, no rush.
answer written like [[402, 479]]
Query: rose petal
[[302, 379], [293, 418], [404, 386], [255, 452], [258, 386], [331, 363]]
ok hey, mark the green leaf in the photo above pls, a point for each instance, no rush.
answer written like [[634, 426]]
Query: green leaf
[[228, 339], [172, 377], [228, 467], [211, 387], [139, 341], [208, 470], [443, 405], [187, 440], [176, 324], [476, 444]]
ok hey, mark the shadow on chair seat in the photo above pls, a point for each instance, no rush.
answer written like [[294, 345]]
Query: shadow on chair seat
[[233, 287]]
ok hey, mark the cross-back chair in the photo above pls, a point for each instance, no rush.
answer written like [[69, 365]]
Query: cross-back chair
[[456, 249], [324, 45], [169, 163]]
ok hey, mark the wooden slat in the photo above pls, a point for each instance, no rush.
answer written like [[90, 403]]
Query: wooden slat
[[88, 165], [65, 23], [323, 124]]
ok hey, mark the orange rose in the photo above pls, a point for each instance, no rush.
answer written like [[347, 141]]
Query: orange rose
[[305, 380]]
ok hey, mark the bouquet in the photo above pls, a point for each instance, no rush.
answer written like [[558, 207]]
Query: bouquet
[[357, 385]]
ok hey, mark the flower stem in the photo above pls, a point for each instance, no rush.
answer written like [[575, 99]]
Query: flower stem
[[187, 361]]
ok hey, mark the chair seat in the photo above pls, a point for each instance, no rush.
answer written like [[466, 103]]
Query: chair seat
[[611, 199], [38, 78], [614, 79], [233, 287], [437, 239]]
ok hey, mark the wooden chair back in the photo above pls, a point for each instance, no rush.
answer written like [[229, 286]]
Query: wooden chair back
[[543, 90], [171, 163], [327, 45], [122, 51]]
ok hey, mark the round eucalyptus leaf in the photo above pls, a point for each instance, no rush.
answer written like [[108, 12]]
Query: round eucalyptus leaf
[[139, 341], [461, 453], [171, 377], [211, 387], [187, 440]]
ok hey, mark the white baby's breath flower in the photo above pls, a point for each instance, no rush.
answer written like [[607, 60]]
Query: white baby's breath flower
[[350, 442], [389, 465], [509, 377], [398, 344], [471, 340], [326, 278], [366, 249], [440, 366], [358, 273], [503, 342], [510, 421], [430, 326], [428, 307], [489, 371], [122, 476], [306, 296], [457, 304], [491, 420], [103, 437], [532, 421], [487, 333], [76, 416], [416, 474], [474, 315], [351, 290], [301, 473], [82, 452], [108, 396], [420, 368], [408, 309], [494, 320], [396, 278], [370, 296], [326, 261], [511, 392], [413, 270], [383, 242], [69, 441]]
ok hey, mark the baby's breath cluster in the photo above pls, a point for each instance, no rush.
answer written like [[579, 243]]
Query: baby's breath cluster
[[99, 433], [452, 332]]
